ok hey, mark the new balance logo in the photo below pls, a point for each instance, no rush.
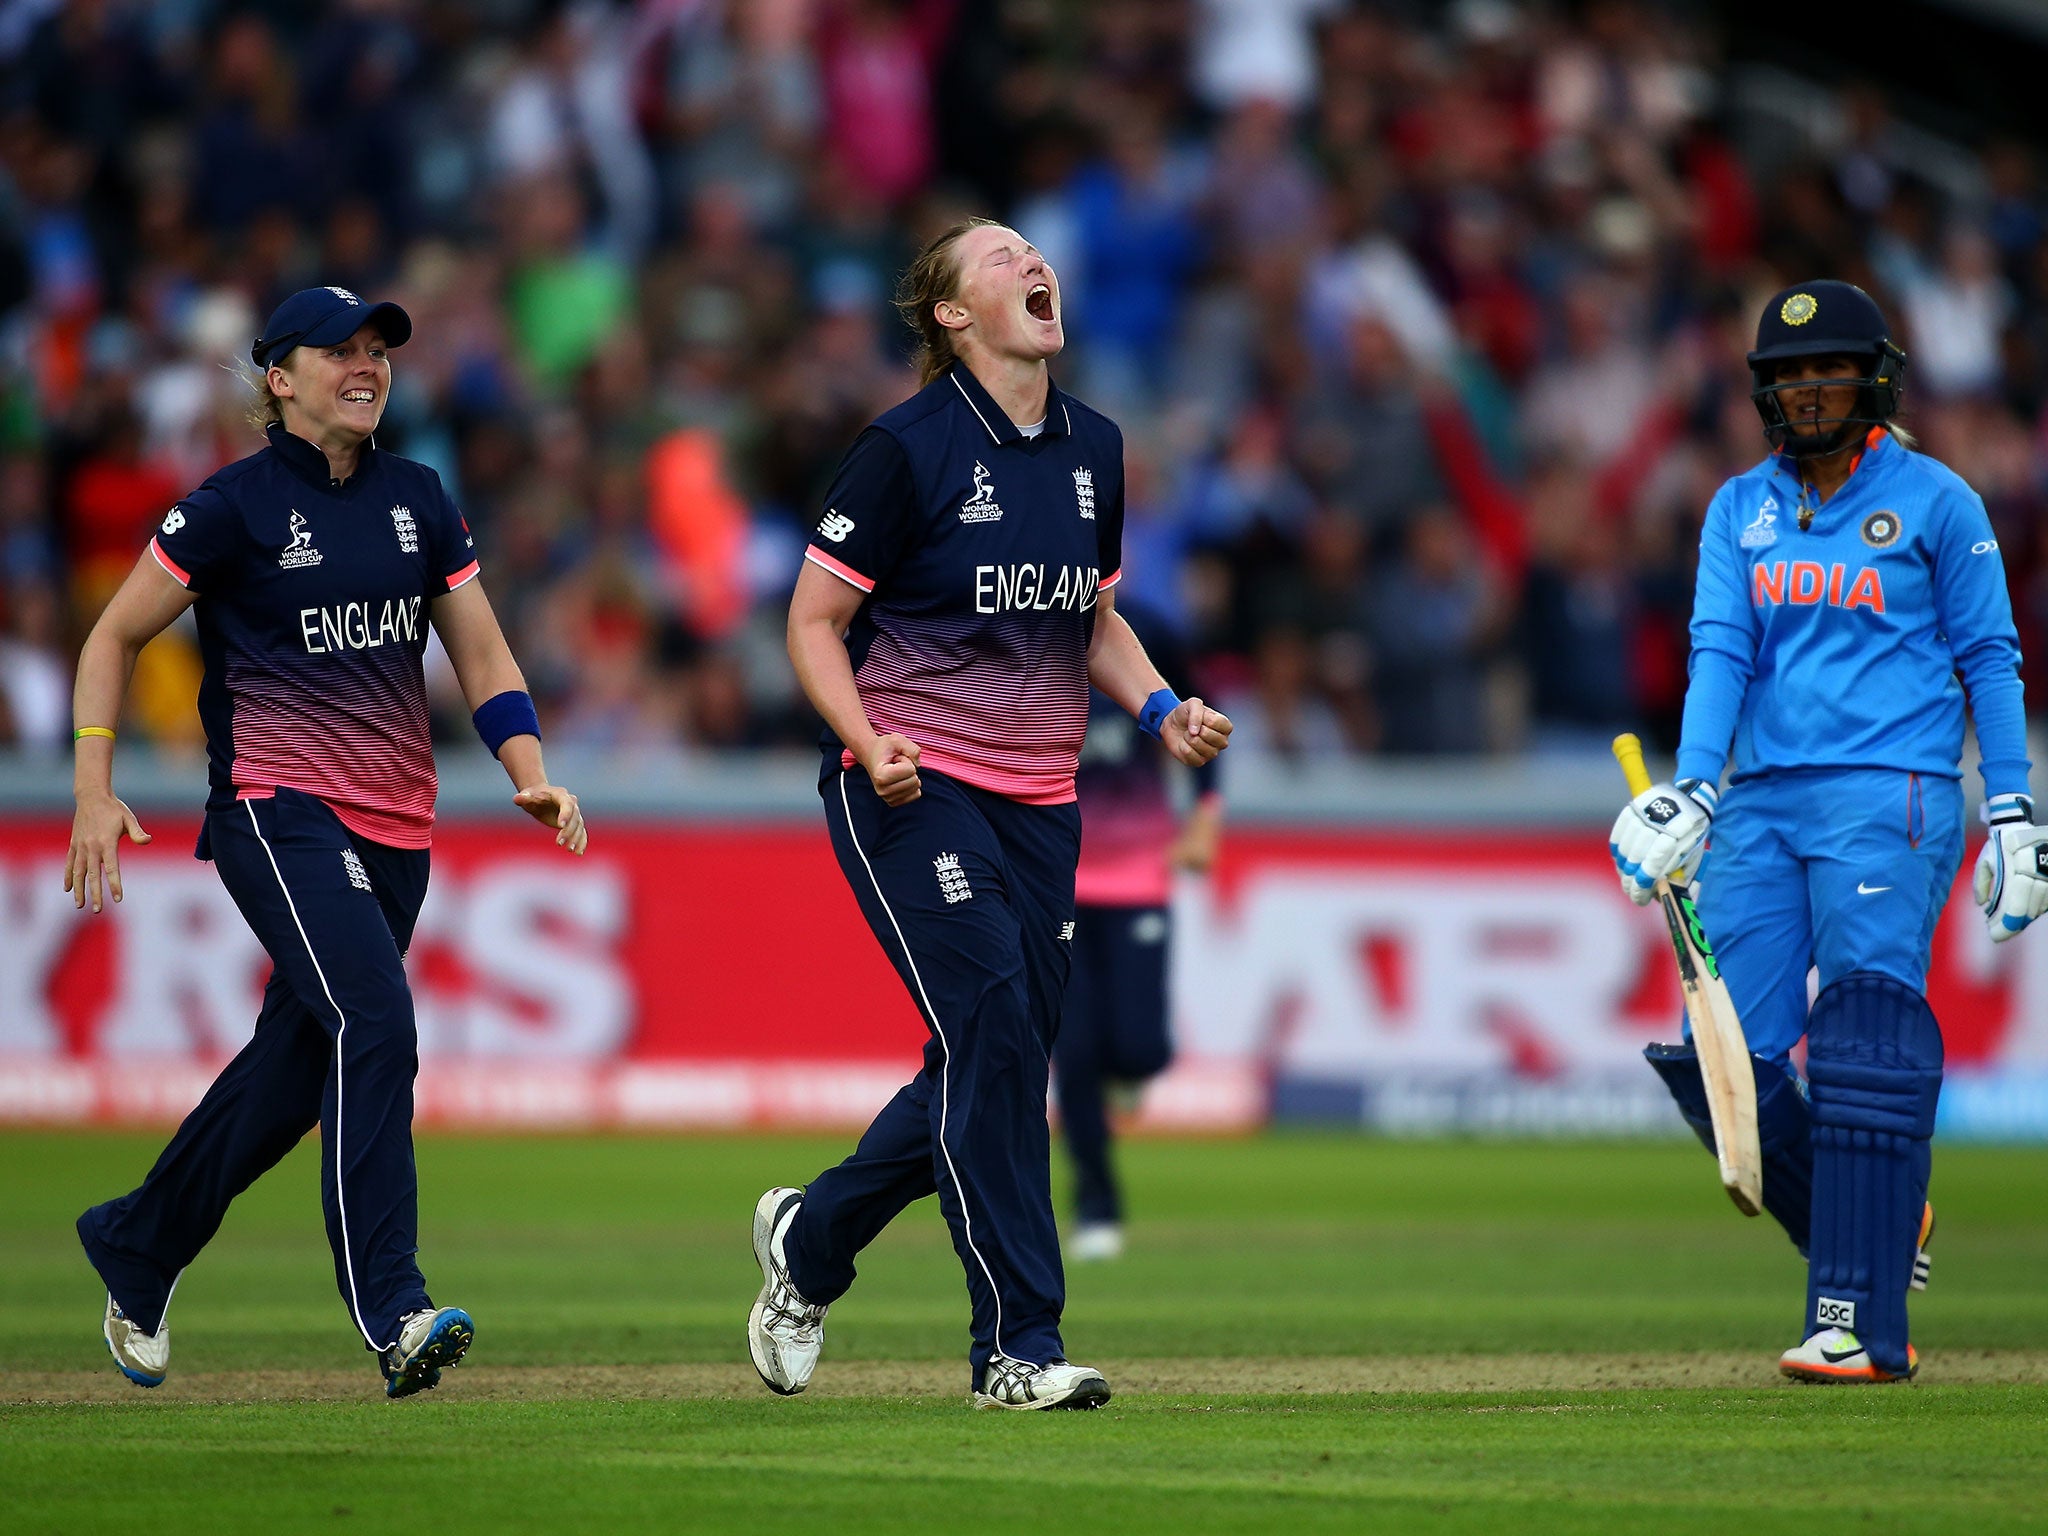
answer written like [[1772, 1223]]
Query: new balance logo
[[1066, 933], [835, 526], [173, 520], [952, 878], [357, 875]]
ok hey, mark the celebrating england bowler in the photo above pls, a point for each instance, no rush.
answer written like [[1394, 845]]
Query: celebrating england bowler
[[1851, 603], [955, 603], [313, 568]]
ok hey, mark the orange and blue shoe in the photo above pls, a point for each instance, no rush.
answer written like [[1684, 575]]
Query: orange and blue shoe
[[427, 1342], [1923, 1263], [1837, 1355]]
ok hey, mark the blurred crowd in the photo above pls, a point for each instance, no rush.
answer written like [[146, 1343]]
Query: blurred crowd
[[1424, 322]]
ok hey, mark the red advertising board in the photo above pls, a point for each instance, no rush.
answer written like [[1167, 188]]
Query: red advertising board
[[721, 975]]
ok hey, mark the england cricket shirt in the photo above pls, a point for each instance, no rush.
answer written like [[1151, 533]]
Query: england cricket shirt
[[312, 610], [981, 552]]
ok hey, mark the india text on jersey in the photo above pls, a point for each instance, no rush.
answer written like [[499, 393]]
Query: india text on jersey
[[1808, 583]]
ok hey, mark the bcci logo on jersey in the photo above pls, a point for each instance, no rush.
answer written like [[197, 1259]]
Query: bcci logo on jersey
[[408, 530], [300, 552], [1084, 492], [1763, 530], [982, 506]]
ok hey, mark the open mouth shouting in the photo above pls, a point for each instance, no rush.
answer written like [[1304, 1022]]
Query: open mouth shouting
[[1038, 302]]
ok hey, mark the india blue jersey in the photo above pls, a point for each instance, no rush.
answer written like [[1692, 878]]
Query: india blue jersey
[[1853, 644]]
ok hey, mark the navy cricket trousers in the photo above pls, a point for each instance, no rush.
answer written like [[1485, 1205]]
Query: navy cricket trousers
[[1115, 1030], [334, 1046], [972, 897]]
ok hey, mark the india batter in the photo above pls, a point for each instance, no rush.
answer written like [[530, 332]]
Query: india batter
[[1851, 604]]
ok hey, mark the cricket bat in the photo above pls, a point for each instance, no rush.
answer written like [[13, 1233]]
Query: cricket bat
[[1716, 1030]]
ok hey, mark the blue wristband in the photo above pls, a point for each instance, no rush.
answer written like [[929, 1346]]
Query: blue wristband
[[499, 718], [2007, 810], [1708, 798], [1152, 714]]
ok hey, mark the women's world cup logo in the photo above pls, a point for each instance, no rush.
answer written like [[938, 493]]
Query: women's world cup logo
[[299, 551]]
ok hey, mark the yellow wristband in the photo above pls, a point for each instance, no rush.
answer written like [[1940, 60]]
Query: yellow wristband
[[91, 730]]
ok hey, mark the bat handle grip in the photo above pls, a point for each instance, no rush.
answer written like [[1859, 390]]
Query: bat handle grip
[[1628, 751]]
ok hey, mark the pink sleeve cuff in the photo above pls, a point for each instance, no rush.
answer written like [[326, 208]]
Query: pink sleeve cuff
[[177, 572], [844, 572]]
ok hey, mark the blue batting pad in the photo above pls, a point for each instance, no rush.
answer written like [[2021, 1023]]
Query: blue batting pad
[[1784, 1130], [1873, 1058], [1679, 1066]]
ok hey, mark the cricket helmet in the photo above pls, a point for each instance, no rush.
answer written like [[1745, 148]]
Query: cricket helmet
[[1827, 318]]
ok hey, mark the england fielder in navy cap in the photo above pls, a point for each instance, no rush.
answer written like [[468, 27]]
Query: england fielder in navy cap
[[1851, 605], [313, 569]]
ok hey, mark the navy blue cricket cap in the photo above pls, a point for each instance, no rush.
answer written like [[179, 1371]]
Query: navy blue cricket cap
[[320, 317]]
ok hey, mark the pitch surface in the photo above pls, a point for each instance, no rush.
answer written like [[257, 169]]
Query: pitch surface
[[1308, 1333]]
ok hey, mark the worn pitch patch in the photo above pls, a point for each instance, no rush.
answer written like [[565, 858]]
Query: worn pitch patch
[[1260, 1375]]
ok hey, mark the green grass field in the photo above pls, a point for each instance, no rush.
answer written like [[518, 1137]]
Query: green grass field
[[1310, 1333]]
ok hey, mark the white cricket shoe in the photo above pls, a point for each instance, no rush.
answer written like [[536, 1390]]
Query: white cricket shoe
[[1019, 1384], [784, 1332], [1095, 1241], [144, 1358], [427, 1341], [1836, 1354]]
